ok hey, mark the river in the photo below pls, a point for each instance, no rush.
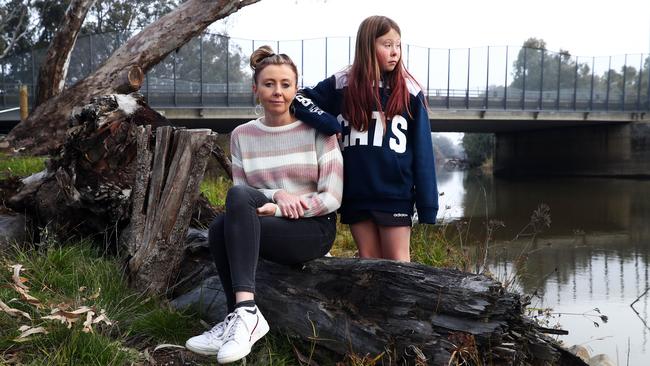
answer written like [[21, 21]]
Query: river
[[593, 256]]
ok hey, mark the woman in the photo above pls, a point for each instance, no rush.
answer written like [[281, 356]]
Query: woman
[[287, 186], [389, 165]]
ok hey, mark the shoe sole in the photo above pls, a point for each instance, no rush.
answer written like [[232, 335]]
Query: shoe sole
[[201, 351], [256, 336]]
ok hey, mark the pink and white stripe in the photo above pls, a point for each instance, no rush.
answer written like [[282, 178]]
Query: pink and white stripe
[[295, 158]]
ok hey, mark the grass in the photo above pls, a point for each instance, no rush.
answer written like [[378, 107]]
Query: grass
[[215, 189], [69, 276], [428, 244], [20, 166]]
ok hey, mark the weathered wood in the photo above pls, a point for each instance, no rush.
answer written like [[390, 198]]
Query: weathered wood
[[223, 160], [45, 129], [131, 80], [161, 221], [86, 188], [51, 76], [412, 313]]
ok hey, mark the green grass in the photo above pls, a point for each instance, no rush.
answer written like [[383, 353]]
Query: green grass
[[20, 166], [76, 275], [429, 245], [215, 189], [71, 275]]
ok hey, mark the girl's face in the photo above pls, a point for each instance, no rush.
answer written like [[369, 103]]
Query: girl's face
[[389, 50], [276, 88]]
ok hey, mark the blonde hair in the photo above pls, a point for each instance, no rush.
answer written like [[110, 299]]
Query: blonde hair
[[264, 56]]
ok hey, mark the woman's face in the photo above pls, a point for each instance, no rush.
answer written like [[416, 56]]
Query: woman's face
[[276, 87], [389, 50]]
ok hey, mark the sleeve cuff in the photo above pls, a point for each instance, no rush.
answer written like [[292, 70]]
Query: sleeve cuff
[[269, 193], [427, 215]]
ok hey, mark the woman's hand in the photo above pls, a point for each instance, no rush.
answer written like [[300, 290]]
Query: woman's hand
[[267, 210], [291, 206]]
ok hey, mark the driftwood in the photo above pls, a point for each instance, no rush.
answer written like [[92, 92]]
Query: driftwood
[[86, 188], [164, 194], [45, 129], [406, 312]]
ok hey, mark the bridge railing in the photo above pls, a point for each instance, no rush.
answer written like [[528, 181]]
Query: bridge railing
[[212, 71]]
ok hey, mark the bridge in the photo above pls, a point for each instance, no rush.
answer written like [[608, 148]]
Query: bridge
[[590, 113]]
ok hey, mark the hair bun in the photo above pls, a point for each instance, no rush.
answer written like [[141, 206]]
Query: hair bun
[[260, 54]]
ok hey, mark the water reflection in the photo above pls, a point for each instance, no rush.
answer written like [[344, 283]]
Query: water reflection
[[594, 255]]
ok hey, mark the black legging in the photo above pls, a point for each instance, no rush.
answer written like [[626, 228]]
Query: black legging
[[239, 236]]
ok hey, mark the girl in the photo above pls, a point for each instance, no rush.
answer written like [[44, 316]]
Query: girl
[[287, 186], [381, 113]]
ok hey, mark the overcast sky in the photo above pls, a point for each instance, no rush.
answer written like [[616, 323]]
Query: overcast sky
[[584, 27]]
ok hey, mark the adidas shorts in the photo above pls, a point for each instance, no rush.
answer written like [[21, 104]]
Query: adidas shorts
[[378, 217]]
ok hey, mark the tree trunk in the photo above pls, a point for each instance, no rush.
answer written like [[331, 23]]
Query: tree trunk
[[410, 313], [160, 220], [51, 76], [86, 189], [44, 130]]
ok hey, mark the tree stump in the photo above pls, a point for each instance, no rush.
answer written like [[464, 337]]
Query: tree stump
[[164, 195]]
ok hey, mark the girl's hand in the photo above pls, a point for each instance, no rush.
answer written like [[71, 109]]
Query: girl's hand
[[267, 210], [291, 206]]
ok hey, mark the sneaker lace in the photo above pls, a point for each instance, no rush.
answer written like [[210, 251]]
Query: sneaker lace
[[236, 323], [220, 329]]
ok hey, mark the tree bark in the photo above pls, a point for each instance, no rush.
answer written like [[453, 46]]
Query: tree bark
[[44, 130], [160, 220], [51, 76], [86, 189], [407, 313]]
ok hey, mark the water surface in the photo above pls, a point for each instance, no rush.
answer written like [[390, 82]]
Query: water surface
[[594, 255]]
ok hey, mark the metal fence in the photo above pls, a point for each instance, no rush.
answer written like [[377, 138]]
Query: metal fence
[[212, 71]]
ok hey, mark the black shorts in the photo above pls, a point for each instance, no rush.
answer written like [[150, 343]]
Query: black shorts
[[378, 217]]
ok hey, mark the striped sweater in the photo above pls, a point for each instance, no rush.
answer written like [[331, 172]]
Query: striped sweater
[[294, 157]]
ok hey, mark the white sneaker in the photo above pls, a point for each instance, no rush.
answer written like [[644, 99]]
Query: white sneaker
[[211, 341], [245, 328]]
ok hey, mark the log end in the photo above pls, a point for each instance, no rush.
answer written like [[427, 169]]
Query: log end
[[130, 80]]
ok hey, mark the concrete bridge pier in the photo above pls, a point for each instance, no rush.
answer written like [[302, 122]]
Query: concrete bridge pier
[[620, 150]]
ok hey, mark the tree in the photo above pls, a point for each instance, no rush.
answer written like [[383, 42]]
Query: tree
[[527, 68], [125, 16], [478, 147], [51, 78], [444, 146], [14, 25], [45, 128]]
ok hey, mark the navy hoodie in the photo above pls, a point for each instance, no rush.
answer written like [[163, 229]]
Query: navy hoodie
[[389, 171]]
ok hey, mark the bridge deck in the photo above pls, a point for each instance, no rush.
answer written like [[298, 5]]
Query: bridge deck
[[224, 119]]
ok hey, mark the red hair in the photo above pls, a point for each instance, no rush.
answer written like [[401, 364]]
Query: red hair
[[364, 76]]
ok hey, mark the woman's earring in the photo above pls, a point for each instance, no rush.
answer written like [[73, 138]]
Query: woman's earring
[[259, 110]]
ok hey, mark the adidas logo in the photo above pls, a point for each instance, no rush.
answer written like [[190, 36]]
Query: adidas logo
[[400, 215]]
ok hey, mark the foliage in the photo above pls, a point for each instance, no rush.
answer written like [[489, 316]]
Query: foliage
[[210, 58], [15, 28], [536, 69], [478, 147], [444, 147], [527, 68]]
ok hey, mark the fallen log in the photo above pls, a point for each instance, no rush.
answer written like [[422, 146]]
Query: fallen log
[[44, 130], [406, 313]]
